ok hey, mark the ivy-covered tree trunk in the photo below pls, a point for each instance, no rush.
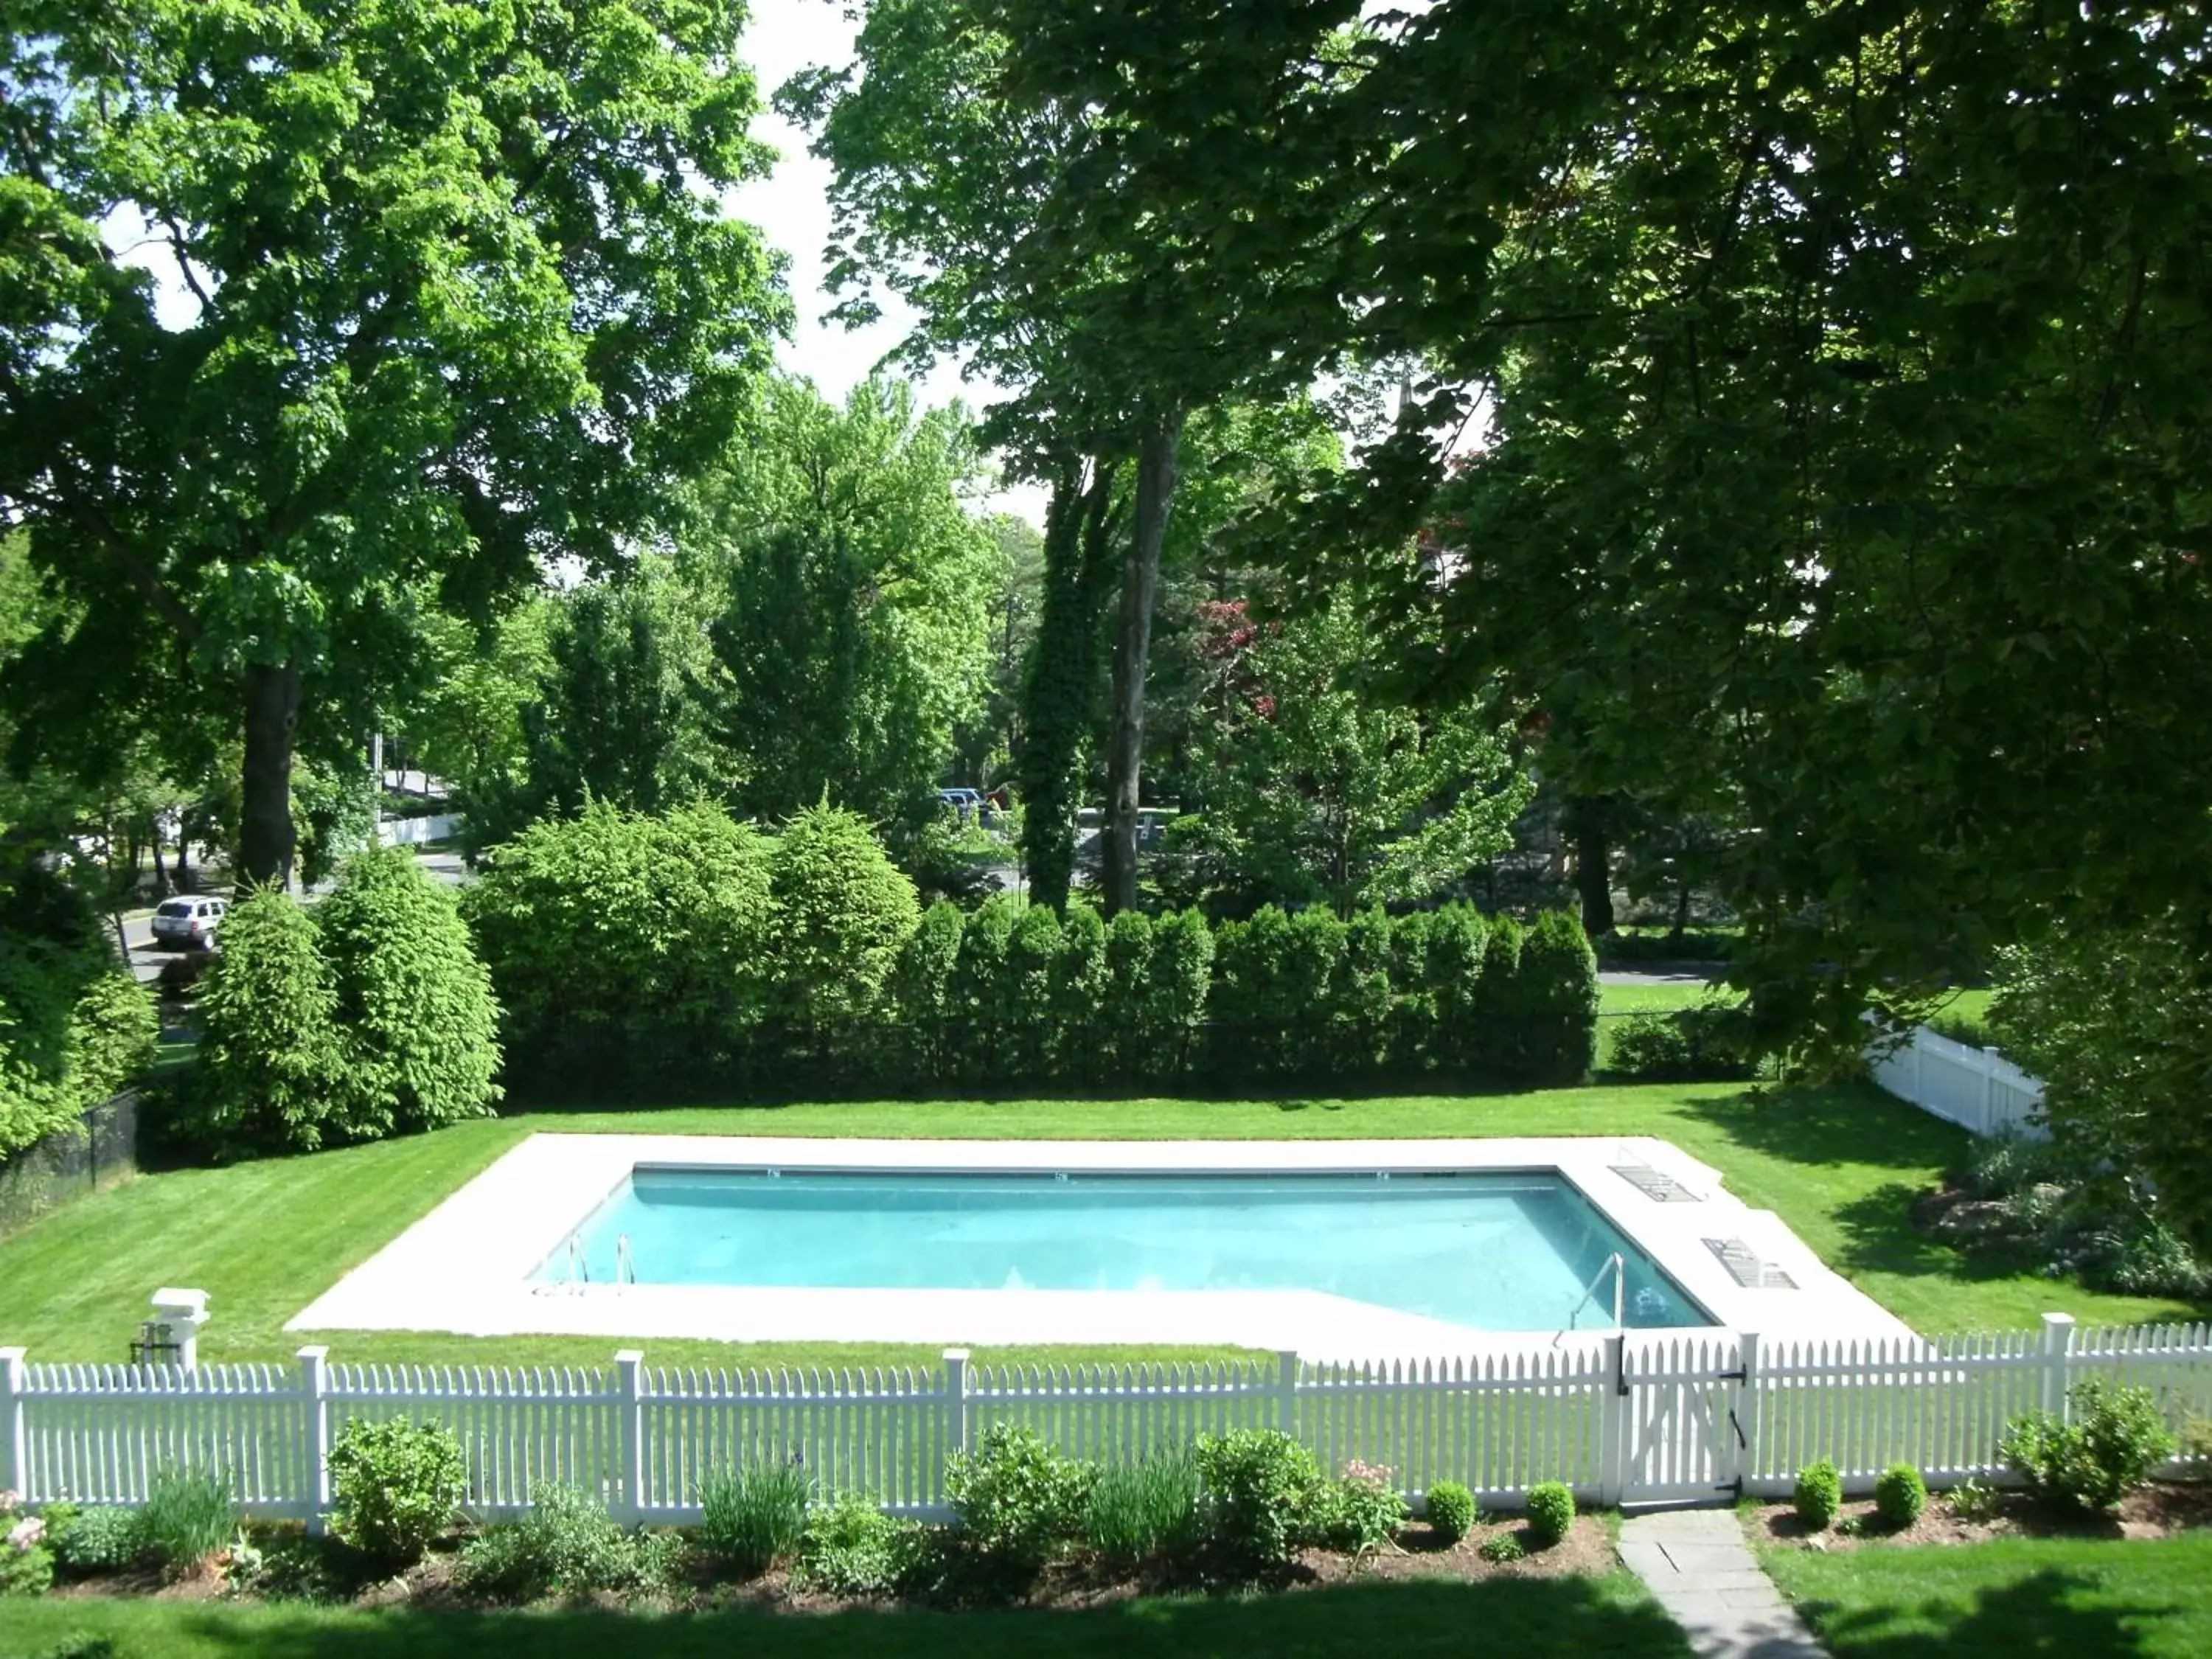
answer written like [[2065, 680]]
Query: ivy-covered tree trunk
[[1589, 820], [1062, 673], [1133, 646], [272, 726]]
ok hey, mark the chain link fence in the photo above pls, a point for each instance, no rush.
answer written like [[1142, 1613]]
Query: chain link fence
[[101, 1149]]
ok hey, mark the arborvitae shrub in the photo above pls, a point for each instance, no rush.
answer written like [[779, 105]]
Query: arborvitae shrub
[[1305, 989], [1082, 1012], [1556, 982], [1032, 966], [1413, 1002], [1457, 968], [1360, 1000], [416, 1025], [923, 997], [979, 990], [1182, 977], [269, 1067], [1128, 1006]]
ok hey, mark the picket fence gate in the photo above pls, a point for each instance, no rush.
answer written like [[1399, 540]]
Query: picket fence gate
[[1639, 1418]]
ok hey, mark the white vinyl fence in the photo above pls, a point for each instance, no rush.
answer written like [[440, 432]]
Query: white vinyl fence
[[1647, 1418], [1975, 1088], [416, 832]]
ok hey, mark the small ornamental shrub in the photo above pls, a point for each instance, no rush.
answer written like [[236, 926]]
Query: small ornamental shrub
[[1551, 1512], [395, 1486], [850, 1547], [187, 1516], [754, 1515], [1684, 1046], [105, 1539], [1899, 1496], [1361, 1513], [1972, 1501], [1140, 1512], [1019, 1503], [1260, 1489], [565, 1544], [27, 1564], [1502, 1547], [1819, 1495], [1451, 1510], [2115, 1439]]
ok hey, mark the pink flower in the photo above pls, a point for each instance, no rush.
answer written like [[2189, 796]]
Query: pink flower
[[1374, 1474], [27, 1531], [9, 1499]]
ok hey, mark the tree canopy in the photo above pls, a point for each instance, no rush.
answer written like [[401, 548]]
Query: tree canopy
[[460, 298]]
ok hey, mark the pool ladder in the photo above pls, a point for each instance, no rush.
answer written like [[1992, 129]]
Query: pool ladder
[[579, 1268], [1619, 1269]]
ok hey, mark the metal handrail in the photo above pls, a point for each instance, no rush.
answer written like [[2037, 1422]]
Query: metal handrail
[[1619, 1269], [625, 1264]]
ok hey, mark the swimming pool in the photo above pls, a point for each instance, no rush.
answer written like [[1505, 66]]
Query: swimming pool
[[492, 1258], [1493, 1251]]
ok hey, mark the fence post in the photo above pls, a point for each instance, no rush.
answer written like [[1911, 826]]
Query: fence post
[[1614, 1420], [15, 1451], [956, 1403], [1745, 1414], [1286, 1390], [629, 1383], [314, 1393], [2058, 1354]]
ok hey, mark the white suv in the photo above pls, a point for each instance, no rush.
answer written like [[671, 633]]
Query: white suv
[[189, 923]]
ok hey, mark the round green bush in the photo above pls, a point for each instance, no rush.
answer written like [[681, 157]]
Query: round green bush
[[396, 1486], [1261, 1491], [1899, 1496], [1551, 1512], [106, 1537], [1451, 1510], [1819, 1495], [839, 913]]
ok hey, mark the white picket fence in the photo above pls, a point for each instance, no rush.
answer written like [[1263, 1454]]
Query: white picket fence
[[1647, 1418], [1978, 1088]]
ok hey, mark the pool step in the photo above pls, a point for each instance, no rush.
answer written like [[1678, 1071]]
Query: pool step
[[1748, 1268], [1655, 1184]]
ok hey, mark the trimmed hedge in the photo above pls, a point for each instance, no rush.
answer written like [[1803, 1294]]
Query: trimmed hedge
[[1006, 998]]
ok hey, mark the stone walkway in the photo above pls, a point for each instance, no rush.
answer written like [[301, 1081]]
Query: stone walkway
[[1698, 1564]]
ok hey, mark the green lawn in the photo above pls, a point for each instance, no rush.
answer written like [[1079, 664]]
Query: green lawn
[[1965, 1017], [1661, 998], [2108, 1598], [264, 1239], [1610, 1616]]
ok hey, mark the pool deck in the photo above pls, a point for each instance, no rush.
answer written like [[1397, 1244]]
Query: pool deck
[[467, 1267]]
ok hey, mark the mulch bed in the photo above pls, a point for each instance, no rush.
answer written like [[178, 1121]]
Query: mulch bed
[[2156, 1512], [1416, 1554]]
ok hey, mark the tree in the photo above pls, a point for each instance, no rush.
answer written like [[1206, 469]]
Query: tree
[[462, 300], [1318, 788], [1842, 395], [851, 593], [2113, 1022]]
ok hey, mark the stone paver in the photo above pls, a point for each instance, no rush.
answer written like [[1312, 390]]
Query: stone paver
[[1698, 1564]]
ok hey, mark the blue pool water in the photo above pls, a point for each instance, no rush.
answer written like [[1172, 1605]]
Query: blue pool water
[[1499, 1252]]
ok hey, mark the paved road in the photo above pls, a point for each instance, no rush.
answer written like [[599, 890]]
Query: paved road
[[146, 957]]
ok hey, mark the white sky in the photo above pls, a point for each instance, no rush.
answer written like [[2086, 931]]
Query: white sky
[[792, 208]]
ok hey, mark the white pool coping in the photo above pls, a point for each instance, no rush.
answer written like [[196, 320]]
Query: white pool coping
[[466, 1268]]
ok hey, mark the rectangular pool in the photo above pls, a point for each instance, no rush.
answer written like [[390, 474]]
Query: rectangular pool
[[1490, 1251]]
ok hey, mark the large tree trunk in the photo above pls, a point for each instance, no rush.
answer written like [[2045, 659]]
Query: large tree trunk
[[272, 725], [1133, 650], [1060, 679], [1592, 835]]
